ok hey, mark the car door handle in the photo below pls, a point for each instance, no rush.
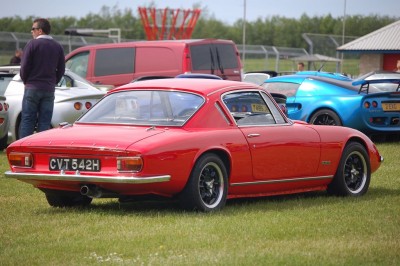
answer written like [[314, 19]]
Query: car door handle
[[253, 135]]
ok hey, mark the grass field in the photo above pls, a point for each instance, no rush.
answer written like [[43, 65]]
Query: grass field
[[306, 229]]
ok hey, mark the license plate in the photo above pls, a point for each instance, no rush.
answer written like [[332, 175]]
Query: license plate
[[388, 107], [74, 164], [259, 108]]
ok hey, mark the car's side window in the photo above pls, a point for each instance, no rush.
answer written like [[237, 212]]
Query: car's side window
[[114, 61], [248, 108], [286, 88], [274, 111], [78, 64], [66, 82]]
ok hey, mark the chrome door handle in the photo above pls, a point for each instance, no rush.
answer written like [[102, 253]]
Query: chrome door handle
[[253, 135]]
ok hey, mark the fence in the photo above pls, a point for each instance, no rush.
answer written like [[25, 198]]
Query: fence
[[254, 57]]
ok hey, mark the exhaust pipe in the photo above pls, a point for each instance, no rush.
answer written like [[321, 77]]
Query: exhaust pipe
[[91, 191]]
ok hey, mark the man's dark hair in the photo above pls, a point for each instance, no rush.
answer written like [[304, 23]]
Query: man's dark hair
[[43, 24]]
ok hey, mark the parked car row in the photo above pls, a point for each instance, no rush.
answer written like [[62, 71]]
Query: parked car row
[[229, 138]]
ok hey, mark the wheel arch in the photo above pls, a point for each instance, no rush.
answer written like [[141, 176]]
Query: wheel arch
[[358, 140], [222, 154], [324, 108]]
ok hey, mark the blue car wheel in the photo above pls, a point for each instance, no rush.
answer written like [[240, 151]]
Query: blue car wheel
[[325, 117]]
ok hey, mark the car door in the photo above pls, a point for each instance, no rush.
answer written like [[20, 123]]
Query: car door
[[279, 148]]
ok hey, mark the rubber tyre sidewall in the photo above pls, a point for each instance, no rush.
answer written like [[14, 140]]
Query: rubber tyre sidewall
[[338, 185], [64, 199], [328, 112], [190, 198]]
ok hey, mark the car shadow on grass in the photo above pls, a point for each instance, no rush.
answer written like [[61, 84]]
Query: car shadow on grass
[[267, 203]]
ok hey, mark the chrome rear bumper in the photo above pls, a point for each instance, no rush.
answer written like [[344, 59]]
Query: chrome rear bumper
[[88, 178]]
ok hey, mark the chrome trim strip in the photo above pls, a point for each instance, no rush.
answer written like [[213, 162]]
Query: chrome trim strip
[[281, 181], [88, 178]]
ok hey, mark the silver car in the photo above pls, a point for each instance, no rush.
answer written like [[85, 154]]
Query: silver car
[[4, 120], [73, 97]]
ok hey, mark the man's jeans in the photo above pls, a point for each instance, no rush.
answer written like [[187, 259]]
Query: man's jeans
[[37, 108]]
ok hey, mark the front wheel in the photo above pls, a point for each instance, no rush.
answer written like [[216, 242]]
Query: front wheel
[[207, 187], [325, 117], [353, 175], [59, 198], [3, 142]]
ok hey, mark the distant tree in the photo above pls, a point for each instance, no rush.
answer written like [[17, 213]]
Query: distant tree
[[271, 31]]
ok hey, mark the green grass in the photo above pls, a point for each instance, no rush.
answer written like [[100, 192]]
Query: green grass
[[306, 229]]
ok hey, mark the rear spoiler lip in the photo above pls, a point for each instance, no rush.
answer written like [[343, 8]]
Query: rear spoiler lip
[[374, 81]]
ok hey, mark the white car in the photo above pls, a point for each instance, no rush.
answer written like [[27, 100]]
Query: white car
[[73, 97]]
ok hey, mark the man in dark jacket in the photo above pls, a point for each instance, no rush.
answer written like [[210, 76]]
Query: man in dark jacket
[[16, 59], [42, 67]]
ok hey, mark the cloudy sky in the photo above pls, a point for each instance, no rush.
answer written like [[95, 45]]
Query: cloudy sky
[[227, 11]]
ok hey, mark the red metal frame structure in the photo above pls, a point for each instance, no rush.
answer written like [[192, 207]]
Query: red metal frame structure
[[168, 24]]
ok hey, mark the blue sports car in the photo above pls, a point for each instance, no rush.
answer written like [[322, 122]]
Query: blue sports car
[[334, 99]]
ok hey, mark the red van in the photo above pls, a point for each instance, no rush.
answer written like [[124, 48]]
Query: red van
[[120, 63]]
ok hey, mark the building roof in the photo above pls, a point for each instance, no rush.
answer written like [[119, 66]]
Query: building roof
[[386, 39]]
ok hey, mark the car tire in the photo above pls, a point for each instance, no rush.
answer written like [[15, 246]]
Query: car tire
[[61, 199], [3, 142], [353, 175], [325, 117], [207, 187]]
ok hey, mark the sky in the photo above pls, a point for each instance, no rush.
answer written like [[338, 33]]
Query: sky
[[227, 11]]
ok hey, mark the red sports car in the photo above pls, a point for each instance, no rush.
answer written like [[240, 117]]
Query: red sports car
[[202, 141]]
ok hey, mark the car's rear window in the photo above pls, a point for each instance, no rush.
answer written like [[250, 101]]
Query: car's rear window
[[145, 107], [286, 88], [213, 56]]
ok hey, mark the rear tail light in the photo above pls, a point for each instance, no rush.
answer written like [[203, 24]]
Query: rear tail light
[[78, 106], [129, 164], [20, 159]]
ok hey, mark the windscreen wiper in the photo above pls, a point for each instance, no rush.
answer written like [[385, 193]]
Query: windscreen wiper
[[220, 66], [212, 62]]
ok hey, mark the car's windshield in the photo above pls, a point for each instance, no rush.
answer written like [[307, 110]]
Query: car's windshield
[[144, 107]]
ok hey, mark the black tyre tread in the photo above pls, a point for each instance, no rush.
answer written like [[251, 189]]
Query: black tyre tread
[[329, 113], [338, 185], [63, 199], [190, 198]]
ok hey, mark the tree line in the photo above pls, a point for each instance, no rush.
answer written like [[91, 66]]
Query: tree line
[[274, 30]]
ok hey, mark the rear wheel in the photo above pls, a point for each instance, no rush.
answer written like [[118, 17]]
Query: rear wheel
[[59, 198], [207, 186], [325, 117], [353, 175]]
